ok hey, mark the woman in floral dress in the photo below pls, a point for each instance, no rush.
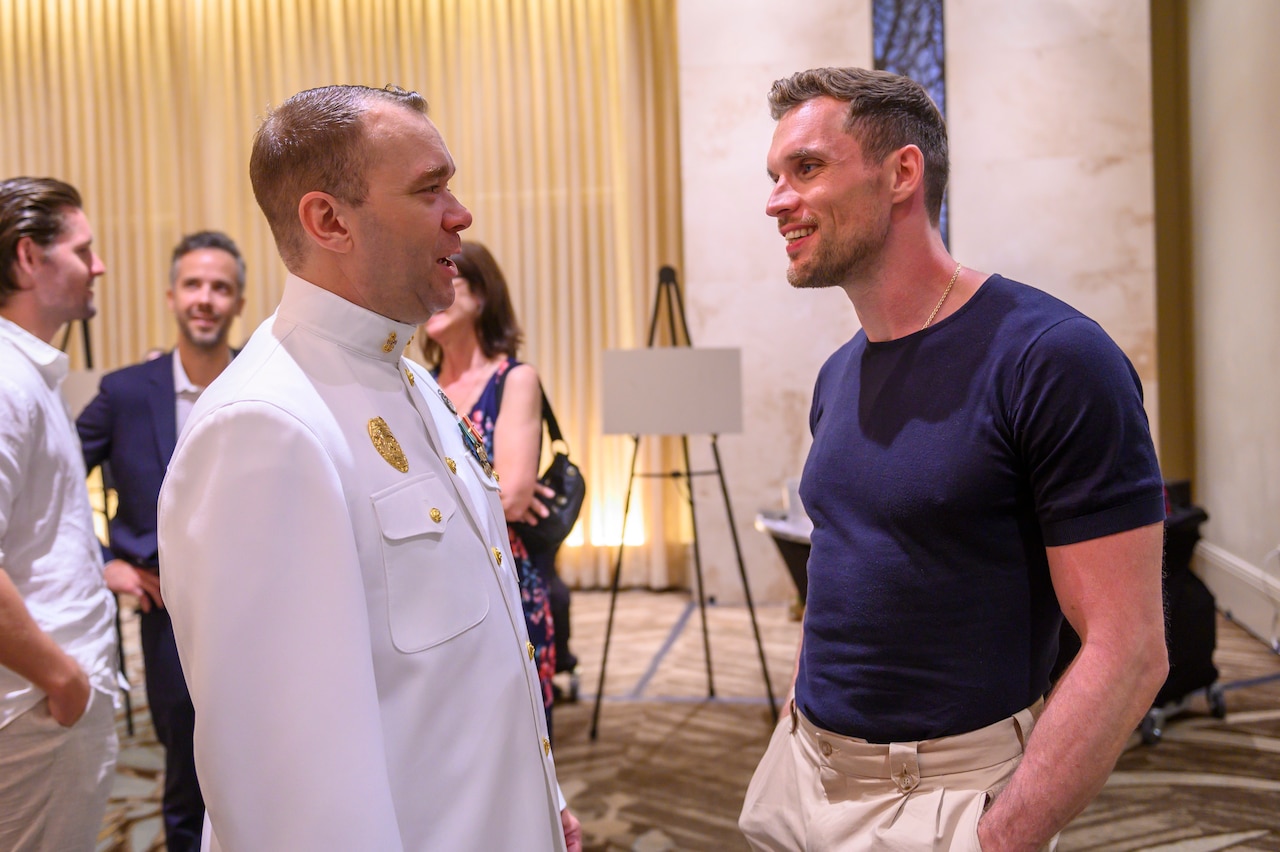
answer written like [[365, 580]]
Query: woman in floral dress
[[472, 349]]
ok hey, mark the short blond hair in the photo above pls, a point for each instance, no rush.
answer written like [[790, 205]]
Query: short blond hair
[[315, 141]]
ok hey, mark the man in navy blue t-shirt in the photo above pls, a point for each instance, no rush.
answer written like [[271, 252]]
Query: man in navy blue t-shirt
[[981, 466]]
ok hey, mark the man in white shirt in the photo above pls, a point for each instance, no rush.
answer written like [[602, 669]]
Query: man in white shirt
[[335, 556], [132, 426], [57, 638]]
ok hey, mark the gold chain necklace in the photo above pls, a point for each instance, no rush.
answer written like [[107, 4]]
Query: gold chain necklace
[[945, 293]]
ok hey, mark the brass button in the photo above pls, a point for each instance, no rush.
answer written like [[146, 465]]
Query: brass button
[[453, 466], [497, 554], [546, 746], [495, 476], [409, 375], [529, 645], [436, 515], [826, 748]]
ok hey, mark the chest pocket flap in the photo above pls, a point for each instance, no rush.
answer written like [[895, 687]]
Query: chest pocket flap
[[435, 590]]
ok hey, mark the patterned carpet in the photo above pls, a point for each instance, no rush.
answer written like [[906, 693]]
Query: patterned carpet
[[669, 768], [1209, 783]]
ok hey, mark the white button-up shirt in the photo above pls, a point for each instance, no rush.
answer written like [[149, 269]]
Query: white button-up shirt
[[47, 542], [185, 393]]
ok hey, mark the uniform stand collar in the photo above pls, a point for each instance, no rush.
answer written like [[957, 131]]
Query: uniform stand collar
[[349, 325]]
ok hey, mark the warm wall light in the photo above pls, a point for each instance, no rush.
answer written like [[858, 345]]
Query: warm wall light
[[604, 532], [103, 503]]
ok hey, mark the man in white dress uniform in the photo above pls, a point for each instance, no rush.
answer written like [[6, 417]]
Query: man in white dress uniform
[[335, 555]]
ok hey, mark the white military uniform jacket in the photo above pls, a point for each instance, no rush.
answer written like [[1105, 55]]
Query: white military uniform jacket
[[345, 607]]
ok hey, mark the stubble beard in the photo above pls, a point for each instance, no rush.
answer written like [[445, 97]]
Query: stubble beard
[[88, 308], [838, 264], [213, 340]]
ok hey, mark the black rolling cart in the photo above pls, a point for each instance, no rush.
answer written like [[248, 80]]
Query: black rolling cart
[[1191, 622]]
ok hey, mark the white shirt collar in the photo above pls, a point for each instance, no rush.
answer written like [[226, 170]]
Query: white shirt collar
[[181, 382], [52, 363]]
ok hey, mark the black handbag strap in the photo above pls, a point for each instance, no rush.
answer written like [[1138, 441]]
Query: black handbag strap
[[548, 416], [553, 428]]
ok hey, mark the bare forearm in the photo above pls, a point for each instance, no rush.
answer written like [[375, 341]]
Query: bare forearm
[[1085, 725], [26, 649], [516, 436]]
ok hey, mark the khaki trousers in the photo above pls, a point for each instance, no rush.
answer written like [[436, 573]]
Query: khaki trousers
[[821, 792], [54, 781]]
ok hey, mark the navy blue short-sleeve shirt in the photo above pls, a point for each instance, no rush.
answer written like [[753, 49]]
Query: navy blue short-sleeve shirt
[[943, 463]]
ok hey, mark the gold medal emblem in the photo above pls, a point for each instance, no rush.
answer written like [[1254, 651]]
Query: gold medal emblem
[[387, 445]]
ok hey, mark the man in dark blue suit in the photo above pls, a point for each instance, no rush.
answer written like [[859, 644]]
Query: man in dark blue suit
[[131, 428]]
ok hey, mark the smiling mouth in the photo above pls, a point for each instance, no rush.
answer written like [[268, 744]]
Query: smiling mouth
[[798, 233]]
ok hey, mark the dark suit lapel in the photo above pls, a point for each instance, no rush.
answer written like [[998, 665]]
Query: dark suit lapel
[[163, 401]]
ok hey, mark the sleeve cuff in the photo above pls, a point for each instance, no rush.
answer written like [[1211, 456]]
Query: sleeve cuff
[[1140, 513]]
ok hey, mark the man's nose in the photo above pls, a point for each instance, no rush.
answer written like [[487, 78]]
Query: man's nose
[[781, 199], [460, 219]]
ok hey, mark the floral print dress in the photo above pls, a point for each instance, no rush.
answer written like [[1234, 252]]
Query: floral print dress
[[534, 593]]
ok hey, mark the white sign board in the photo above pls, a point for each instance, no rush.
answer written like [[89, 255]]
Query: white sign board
[[79, 388], [672, 391]]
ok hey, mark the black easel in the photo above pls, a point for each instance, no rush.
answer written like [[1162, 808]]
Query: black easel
[[84, 338], [675, 310], [107, 486]]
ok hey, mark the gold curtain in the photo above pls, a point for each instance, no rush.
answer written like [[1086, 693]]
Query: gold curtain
[[561, 115]]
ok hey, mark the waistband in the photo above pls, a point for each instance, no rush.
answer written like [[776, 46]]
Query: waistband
[[989, 746]]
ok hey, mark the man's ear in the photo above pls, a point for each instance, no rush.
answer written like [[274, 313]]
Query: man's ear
[[323, 221], [27, 256], [908, 172]]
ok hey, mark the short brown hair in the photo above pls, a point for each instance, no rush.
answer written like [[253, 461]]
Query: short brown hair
[[30, 207], [497, 328], [886, 112], [315, 141]]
